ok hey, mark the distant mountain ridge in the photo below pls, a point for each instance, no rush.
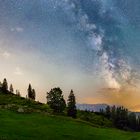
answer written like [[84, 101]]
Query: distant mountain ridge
[[97, 107], [91, 107]]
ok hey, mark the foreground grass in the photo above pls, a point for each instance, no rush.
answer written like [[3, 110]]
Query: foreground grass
[[36, 123], [35, 126], [13, 102]]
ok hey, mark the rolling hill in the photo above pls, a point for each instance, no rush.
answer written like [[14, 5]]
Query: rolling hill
[[21, 119]]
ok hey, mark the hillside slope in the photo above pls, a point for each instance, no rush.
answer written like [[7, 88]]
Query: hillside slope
[[37, 126], [36, 121]]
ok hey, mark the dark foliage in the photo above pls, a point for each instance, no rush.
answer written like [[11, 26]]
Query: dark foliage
[[31, 92], [55, 100], [71, 105], [121, 118], [11, 89], [18, 93], [4, 87]]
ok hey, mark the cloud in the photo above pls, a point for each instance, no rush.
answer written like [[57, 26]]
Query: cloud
[[6, 54], [127, 96], [17, 29], [18, 71]]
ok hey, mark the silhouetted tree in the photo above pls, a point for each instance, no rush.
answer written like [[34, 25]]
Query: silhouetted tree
[[113, 113], [71, 105], [138, 123], [0, 85], [31, 92], [18, 93], [11, 89], [132, 121], [55, 100], [5, 85], [121, 118], [101, 111], [108, 112]]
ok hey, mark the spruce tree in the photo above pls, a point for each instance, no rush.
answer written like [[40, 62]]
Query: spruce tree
[[30, 91], [138, 123], [11, 89], [71, 105], [18, 93], [33, 94], [0, 85], [5, 85], [132, 120], [108, 112]]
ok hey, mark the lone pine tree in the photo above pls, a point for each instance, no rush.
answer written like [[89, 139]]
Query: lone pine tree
[[71, 105], [11, 89], [31, 92], [4, 85]]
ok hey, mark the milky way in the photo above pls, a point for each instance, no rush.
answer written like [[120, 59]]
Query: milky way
[[102, 22], [81, 44]]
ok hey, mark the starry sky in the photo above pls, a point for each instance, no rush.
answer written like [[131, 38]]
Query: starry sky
[[90, 46]]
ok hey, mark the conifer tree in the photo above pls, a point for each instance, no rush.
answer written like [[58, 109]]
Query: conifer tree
[[33, 94], [71, 105], [5, 85], [11, 89], [108, 112], [30, 91], [132, 120], [18, 93], [0, 85]]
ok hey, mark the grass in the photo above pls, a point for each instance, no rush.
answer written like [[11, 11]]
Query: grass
[[13, 103], [35, 126], [96, 120], [17, 102], [38, 123]]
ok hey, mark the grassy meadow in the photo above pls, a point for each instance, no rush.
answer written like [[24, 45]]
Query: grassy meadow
[[35, 126], [38, 122]]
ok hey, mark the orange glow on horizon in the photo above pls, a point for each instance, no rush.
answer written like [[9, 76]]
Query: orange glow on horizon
[[127, 96]]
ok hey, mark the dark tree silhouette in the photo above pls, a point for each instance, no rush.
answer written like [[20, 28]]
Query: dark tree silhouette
[[31, 92], [113, 113], [0, 85], [18, 93], [138, 123], [5, 85], [122, 118], [132, 121], [71, 105], [55, 100], [11, 89], [108, 112]]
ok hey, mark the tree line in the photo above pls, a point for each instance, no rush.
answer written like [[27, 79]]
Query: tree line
[[122, 118], [119, 116], [54, 98]]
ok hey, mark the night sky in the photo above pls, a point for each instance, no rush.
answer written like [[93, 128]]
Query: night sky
[[90, 46]]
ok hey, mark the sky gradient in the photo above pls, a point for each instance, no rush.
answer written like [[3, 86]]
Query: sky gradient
[[90, 46]]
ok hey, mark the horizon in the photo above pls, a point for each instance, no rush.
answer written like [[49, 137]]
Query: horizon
[[89, 46]]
